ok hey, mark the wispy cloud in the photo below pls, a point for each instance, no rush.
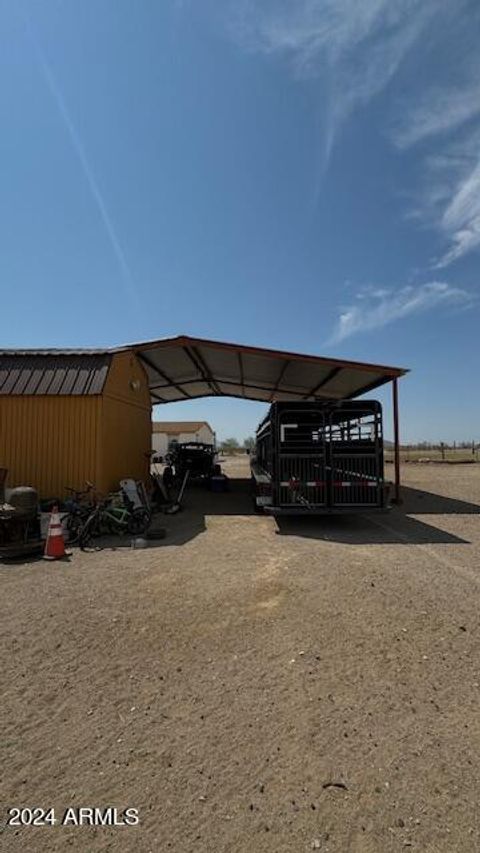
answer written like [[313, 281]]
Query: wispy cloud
[[448, 197], [379, 307], [356, 46], [79, 150], [438, 111], [446, 121], [461, 218]]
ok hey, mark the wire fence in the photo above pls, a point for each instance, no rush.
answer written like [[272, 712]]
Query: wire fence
[[436, 453]]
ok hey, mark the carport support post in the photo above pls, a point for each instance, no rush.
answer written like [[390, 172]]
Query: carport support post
[[396, 439]]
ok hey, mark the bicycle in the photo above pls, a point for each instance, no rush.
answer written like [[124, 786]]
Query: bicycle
[[79, 495], [108, 518], [79, 507]]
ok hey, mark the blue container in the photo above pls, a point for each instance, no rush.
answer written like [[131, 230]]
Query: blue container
[[218, 484]]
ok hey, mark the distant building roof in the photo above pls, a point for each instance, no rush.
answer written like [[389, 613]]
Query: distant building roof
[[179, 427], [58, 374]]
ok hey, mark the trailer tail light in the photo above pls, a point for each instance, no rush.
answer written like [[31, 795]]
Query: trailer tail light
[[264, 488]]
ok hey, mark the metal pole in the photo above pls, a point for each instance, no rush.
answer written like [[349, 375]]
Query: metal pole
[[396, 438]]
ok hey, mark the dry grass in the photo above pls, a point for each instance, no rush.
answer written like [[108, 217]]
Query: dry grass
[[460, 455]]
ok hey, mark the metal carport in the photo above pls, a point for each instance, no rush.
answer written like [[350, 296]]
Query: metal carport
[[185, 368]]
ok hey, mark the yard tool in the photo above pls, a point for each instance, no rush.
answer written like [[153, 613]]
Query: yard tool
[[177, 506], [158, 483]]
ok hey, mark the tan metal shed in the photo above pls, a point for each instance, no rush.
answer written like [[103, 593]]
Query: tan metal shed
[[67, 417]]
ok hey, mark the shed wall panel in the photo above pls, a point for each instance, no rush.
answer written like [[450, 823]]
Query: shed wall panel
[[126, 443], [126, 423], [49, 442]]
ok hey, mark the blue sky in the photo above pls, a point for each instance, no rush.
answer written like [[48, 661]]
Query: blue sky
[[302, 175]]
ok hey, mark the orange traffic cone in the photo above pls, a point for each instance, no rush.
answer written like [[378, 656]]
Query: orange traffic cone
[[54, 546]]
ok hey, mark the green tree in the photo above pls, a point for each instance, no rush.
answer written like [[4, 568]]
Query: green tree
[[230, 445]]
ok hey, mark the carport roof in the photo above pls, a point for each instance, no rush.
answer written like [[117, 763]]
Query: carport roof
[[184, 368]]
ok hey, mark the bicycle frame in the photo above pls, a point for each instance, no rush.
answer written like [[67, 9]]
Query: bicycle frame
[[110, 518], [120, 516]]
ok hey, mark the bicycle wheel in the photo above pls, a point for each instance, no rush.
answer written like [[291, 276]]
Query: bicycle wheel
[[139, 521], [74, 525], [88, 531]]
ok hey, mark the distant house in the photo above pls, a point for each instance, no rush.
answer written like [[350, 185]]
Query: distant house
[[164, 433]]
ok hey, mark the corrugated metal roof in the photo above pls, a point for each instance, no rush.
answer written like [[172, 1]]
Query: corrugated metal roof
[[177, 427], [58, 351], [60, 374], [183, 368]]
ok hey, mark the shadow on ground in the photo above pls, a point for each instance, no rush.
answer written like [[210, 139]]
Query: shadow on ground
[[392, 528], [395, 527]]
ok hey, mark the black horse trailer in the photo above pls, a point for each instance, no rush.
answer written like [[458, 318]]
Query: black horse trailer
[[320, 457]]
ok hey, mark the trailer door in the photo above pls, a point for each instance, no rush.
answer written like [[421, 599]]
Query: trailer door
[[300, 474], [355, 458]]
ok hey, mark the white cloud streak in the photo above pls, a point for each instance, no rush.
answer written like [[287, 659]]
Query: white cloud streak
[[354, 48], [449, 196], [357, 46], [449, 119], [446, 120], [461, 218], [84, 163], [376, 308], [438, 111]]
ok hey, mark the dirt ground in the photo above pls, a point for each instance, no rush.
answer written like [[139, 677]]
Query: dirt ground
[[254, 687]]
